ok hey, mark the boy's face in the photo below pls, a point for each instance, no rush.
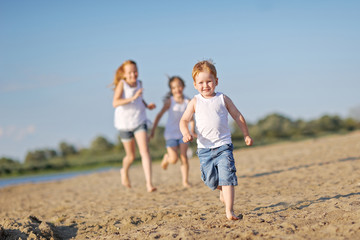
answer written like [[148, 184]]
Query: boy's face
[[205, 83]]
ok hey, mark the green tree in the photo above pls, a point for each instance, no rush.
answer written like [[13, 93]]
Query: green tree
[[8, 165], [307, 129], [5, 160], [351, 124], [329, 123], [35, 157], [101, 144], [67, 149], [50, 153], [276, 126]]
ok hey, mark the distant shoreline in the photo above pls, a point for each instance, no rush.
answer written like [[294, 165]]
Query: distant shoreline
[[48, 177]]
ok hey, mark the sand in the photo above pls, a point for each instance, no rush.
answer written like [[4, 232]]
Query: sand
[[301, 190]]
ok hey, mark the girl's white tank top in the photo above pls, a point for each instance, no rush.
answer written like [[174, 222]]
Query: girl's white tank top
[[211, 118], [131, 115], [175, 112]]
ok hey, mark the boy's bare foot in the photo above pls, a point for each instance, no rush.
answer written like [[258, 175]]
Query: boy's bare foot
[[164, 162], [124, 178], [231, 216], [186, 185]]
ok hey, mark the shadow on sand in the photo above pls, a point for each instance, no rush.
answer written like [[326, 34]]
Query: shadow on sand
[[299, 167], [303, 204]]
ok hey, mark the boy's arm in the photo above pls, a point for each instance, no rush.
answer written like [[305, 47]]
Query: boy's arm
[[159, 115], [185, 119], [239, 119], [192, 127]]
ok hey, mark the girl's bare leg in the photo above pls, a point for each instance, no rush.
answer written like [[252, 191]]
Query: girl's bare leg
[[164, 162], [184, 165], [141, 139], [129, 147], [169, 157], [228, 195]]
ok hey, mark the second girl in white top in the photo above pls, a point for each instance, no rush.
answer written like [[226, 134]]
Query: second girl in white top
[[175, 104]]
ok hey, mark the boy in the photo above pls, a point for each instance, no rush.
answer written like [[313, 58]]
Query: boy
[[215, 149]]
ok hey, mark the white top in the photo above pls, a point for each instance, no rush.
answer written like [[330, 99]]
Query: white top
[[131, 115], [211, 118], [175, 112]]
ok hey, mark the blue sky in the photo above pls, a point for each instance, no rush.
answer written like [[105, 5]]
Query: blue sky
[[298, 58]]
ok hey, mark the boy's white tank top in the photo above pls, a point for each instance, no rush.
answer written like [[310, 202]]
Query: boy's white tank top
[[175, 112], [131, 115], [211, 118]]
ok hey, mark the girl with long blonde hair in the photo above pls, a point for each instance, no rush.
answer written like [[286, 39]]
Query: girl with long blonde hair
[[130, 119]]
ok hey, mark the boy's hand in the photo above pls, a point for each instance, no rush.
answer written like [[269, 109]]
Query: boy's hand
[[248, 141], [187, 138]]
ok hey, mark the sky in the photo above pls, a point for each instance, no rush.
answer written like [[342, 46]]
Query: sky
[[57, 59]]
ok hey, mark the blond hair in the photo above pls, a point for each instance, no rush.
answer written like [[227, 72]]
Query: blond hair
[[202, 66], [120, 72]]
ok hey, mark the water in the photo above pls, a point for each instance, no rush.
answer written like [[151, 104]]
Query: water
[[47, 177]]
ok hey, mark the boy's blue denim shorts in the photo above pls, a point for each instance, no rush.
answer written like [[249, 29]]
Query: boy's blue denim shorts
[[129, 135], [174, 142], [217, 166]]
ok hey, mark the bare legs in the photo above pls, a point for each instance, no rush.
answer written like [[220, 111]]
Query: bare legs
[[172, 156], [127, 161], [141, 140], [169, 157], [227, 197], [184, 165]]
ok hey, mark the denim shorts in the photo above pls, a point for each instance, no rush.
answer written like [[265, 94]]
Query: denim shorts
[[129, 135], [217, 166], [174, 142]]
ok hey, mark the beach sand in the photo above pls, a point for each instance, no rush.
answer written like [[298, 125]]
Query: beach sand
[[301, 190]]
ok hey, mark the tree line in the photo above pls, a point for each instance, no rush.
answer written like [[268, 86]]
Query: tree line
[[277, 127], [102, 152]]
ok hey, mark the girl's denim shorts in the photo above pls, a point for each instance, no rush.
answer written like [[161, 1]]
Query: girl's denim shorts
[[129, 135], [174, 142], [217, 166]]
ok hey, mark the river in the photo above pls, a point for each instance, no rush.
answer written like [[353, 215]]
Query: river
[[4, 182]]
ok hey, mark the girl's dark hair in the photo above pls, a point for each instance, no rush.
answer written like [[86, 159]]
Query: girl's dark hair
[[171, 79]]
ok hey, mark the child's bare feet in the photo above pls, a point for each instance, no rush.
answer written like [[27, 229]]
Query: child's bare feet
[[164, 162], [186, 185], [151, 188], [231, 216], [124, 178]]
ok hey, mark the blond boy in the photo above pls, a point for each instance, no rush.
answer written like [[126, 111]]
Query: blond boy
[[215, 149]]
